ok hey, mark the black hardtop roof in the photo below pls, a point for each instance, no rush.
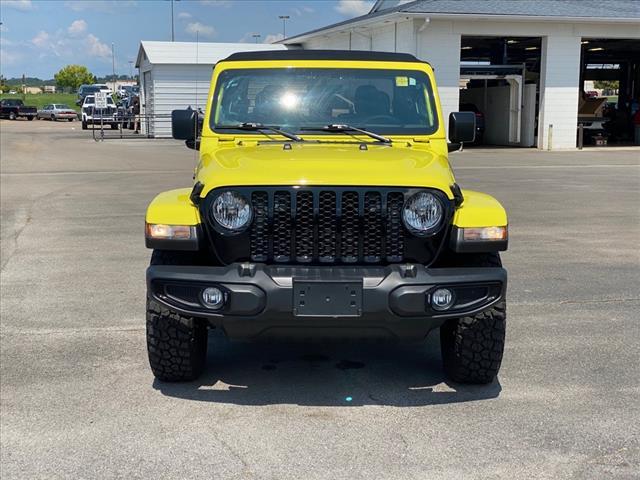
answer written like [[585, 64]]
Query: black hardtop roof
[[364, 55]]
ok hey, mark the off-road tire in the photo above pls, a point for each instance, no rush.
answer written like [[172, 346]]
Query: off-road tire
[[30, 118], [12, 116], [176, 343], [472, 346], [84, 124]]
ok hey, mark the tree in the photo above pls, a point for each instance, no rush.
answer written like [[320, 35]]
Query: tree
[[606, 84], [73, 76]]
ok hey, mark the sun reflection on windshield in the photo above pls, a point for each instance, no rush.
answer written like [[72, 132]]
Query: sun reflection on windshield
[[289, 100]]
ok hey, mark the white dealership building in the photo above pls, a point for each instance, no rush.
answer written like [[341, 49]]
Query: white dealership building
[[521, 63]]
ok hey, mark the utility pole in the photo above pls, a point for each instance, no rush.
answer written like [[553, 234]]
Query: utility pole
[[113, 64], [1, 76], [256, 36], [173, 36], [131, 69], [284, 19]]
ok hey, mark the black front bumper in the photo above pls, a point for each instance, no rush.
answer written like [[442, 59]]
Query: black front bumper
[[263, 300]]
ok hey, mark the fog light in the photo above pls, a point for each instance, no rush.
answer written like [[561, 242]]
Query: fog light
[[442, 299], [212, 297]]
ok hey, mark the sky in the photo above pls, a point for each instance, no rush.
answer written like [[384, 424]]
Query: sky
[[38, 37]]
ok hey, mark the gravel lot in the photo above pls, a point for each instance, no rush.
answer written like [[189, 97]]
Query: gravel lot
[[79, 401]]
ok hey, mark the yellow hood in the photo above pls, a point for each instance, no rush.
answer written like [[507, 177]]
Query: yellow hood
[[323, 164]]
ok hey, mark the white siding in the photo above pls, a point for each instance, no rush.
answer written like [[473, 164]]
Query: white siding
[[559, 91], [191, 53], [439, 45], [501, 28], [339, 41], [360, 40], [176, 87], [317, 43], [175, 75], [383, 39], [146, 101], [406, 37]]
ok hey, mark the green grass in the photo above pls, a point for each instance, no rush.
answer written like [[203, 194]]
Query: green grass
[[41, 99]]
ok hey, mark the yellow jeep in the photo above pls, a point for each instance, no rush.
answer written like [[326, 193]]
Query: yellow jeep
[[323, 205]]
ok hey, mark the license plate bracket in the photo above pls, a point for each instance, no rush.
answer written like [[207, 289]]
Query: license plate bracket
[[327, 299]]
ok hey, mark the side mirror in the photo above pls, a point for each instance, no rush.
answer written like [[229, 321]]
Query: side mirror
[[462, 127], [193, 144], [184, 124]]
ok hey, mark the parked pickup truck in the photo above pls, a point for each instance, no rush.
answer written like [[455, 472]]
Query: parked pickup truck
[[98, 116], [324, 206], [14, 108]]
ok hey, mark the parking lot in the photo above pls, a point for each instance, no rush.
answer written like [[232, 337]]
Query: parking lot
[[78, 399]]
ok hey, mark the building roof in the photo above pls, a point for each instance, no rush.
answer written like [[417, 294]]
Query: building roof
[[569, 10], [365, 55], [533, 8], [176, 53]]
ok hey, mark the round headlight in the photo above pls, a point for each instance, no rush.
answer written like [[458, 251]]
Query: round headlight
[[423, 213], [231, 210]]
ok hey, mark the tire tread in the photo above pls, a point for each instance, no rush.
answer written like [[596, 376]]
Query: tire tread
[[473, 346], [176, 344]]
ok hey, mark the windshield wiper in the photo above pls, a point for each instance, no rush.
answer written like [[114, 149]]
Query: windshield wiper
[[258, 127], [348, 128]]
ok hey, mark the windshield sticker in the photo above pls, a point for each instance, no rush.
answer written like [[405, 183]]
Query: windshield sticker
[[402, 81]]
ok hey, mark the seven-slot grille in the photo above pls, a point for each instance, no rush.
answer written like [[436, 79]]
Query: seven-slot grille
[[326, 226]]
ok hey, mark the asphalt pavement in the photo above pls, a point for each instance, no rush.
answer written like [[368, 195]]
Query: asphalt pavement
[[77, 398]]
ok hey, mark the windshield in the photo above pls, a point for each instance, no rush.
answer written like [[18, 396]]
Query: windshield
[[382, 101]]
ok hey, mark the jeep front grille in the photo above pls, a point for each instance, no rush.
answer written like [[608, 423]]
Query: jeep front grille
[[326, 226]]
